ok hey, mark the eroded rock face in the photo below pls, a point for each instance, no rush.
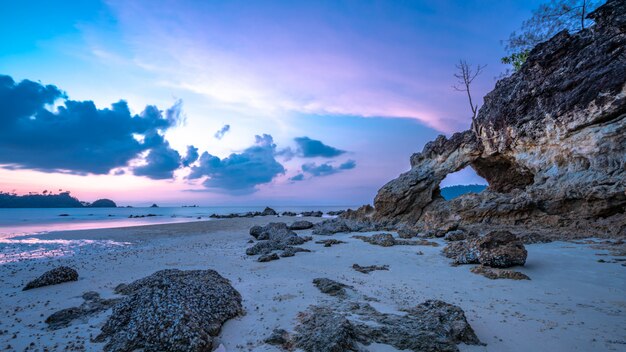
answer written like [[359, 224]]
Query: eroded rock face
[[171, 310], [55, 276], [551, 143]]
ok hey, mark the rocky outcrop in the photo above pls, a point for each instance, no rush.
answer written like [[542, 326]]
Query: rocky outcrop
[[171, 310], [551, 143], [55, 276], [387, 240]]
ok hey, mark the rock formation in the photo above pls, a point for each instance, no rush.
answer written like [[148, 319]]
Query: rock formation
[[171, 310], [92, 305], [551, 143]]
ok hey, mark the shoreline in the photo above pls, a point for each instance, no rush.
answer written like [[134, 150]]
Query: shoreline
[[572, 301]]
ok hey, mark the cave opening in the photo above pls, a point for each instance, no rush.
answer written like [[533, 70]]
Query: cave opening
[[461, 182]]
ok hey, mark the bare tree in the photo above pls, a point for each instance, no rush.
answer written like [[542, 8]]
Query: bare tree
[[546, 21], [465, 76]]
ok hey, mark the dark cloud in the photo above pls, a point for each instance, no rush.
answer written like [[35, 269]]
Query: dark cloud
[[78, 137], [310, 148], [220, 134], [326, 169], [191, 157], [240, 173], [161, 162], [298, 177]]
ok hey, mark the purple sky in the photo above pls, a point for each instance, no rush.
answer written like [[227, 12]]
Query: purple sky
[[344, 90]]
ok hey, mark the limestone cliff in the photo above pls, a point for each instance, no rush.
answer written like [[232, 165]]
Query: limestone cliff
[[551, 143]]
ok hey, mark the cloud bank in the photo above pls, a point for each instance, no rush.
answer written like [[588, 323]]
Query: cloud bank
[[324, 169], [79, 138]]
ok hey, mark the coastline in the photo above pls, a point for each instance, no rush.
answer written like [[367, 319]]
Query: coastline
[[572, 302]]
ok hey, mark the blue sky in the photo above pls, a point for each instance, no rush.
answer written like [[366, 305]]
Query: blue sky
[[369, 78]]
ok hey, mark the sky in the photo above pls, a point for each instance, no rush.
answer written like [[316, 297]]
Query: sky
[[236, 102]]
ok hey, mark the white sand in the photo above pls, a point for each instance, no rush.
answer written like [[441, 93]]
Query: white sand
[[572, 303]]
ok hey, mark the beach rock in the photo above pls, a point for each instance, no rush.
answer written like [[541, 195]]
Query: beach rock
[[268, 212], [274, 236], [433, 325], [340, 224], [268, 257], [321, 329], [495, 273], [330, 242], [288, 213], [406, 233], [379, 239], [550, 140], [92, 305], [501, 249], [291, 251], [387, 240], [171, 310], [271, 231], [368, 269], [317, 214], [301, 225], [53, 277], [497, 249], [330, 287]]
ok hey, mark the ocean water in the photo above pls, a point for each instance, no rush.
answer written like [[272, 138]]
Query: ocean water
[[28, 221], [19, 227]]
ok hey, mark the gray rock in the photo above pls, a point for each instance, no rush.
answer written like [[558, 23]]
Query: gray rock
[[338, 225], [279, 337], [92, 305], [368, 269], [268, 257], [268, 212], [495, 273], [387, 240], [317, 214], [498, 249], [288, 213], [321, 329], [330, 287], [53, 277], [301, 225], [291, 251], [274, 236], [330, 242], [171, 310], [455, 235]]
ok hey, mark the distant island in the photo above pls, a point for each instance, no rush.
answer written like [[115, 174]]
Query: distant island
[[49, 200], [452, 192]]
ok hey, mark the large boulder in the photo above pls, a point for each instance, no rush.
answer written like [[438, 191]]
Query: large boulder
[[171, 310], [301, 225], [55, 276]]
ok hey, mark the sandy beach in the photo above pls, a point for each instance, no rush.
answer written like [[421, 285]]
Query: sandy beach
[[573, 302]]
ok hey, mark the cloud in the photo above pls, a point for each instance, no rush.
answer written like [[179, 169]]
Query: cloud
[[298, 177], [77, 137], [310, 148], [326, 169], [240, 173], [191, 157], [161, 162], [220, 134]]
